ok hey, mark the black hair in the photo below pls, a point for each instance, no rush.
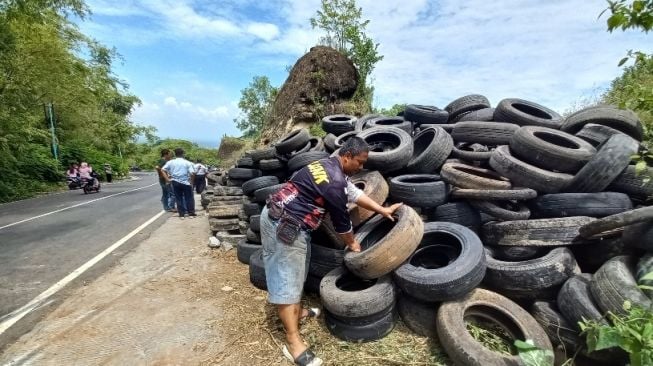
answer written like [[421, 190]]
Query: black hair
[[179, 152], [354, 146], [165, 152]]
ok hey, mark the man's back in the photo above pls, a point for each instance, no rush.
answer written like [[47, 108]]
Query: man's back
[[180, 170]]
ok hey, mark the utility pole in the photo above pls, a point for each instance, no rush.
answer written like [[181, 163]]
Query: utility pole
[[49, 117]]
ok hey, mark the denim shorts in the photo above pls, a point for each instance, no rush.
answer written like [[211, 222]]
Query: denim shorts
[[286, 266]]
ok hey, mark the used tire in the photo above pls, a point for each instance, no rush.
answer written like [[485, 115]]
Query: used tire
[[424, 114], [468, 176], [255, 223], [257, 270], [243, 173], [579, 204], [541, 232], [596, 134], [375, 187], [471, 152], [244, 250], [448, 263], [604, 167], [252, 236], [639, 235], [516, 254], [265, 153], [340, 140], [463, 349], [614, 283], [330, 142], [526, 113], [622, 120], [458, 212], [485, 114], [252, 185], [268, 165], [338, 124], [301, 160], [367, 332], [324, 260], [245, 162], [575, 301], [633, 184], [551, 149], [559, 330], [362, 122], [419, 190], [385, 244], [250, 209], [486, 133], [515, 194], [644, 267], [502, 210], [419, 316], [526, 175], [261, 195], [390, 148], [397, 122], [224, 212], [431, 147], [591, 256], [466, 104], [607, 225], [293, 141]]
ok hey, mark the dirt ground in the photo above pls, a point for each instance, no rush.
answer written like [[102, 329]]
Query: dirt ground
[[174, 301]]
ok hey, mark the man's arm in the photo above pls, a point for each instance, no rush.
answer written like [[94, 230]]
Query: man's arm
[[350, 241], [367, 203]]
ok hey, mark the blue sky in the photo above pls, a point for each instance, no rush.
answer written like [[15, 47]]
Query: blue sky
[[188, 59]]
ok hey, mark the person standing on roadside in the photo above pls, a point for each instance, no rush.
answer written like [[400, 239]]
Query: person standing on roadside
[[200, 176], [181, 173], [167, 195], [108, 172], [287, 220]]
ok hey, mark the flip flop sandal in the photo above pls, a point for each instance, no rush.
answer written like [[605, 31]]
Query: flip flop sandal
[[312, 313], [306, 358]]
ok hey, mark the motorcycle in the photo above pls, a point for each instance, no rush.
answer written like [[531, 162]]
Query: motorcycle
[[88, 185], [74, 183]]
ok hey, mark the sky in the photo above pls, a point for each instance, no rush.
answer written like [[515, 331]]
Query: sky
[[188, 60]]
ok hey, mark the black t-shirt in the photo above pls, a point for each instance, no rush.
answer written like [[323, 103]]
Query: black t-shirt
[[318, 186], [162, 162]]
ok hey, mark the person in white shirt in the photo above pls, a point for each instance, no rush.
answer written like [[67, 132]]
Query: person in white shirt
[[200, 176], [181, 173]]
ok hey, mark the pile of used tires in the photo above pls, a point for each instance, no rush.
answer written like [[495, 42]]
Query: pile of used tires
[[513, 215]]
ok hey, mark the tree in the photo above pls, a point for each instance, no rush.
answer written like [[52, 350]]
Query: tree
[[256, 105], [345, 31], [392, 111], [634, 89]]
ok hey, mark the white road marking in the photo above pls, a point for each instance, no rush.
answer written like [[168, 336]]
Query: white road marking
[[73, 206], [18, 314]]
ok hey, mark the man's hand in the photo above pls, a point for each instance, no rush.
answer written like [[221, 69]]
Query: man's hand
[[355, 246], [388, 211]]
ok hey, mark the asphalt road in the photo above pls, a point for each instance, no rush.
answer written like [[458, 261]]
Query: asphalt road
[[39, 246]]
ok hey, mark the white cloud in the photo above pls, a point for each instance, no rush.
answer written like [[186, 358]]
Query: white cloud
[[265, 31]]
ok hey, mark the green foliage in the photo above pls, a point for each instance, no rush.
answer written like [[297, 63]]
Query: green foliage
[[632, 332], [148, 155], [531, 355], [345, 31], [392, 111], [45, 59], [316, 130], [256, 105], [630, 14]]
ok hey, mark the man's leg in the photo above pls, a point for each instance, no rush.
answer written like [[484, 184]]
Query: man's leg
[[172, 199], [190, 200], [164, 196], [178, 188], [200, 183], [289, 315]]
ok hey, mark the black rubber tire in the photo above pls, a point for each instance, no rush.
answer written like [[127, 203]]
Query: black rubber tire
[[607, 225], [338, 124], [619, 119], [468, 176], [447, 127], [324, 260], [526, 113], [502, 210], [349, 297], [261, 195], [340, 140], [301, 160], [312, 284], [431, 147], [448, 264], [253, 236], [385, 245], [245, 249], [541, 232], [555, 325], [515, 194], [611, 159], [485, 115], [419, 190], [633, 184], [458, 212], [418, 316], [268, 165], [265, 153], [579, 204], [330, 142], [252, 185], [576, 303], [255, 223], [551, 149], [390, 148], [526, 175], [375, 187], [243, 173], [293, 141], [644, 267], [316, 144], [486, 133], [397, 122], [591, 256], [614, 283], [251, 209], [424, 114], [466, 104], [639, 235], [362, 122], [225, 211], [532, 276], [227, 191], [223, 224], [361, 333], [463, 349], [245, 162], [235, 182], [257, 270], [517, 254], [596, 134], [471, 152]]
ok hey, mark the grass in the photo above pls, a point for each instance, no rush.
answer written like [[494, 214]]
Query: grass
[[492, 336]]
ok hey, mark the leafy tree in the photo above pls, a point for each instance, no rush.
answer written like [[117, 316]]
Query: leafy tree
[[256, 105], [345, 31], [392, 111]]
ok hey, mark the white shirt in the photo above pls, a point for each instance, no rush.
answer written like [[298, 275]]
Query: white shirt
[[200, 169], [180, 170]]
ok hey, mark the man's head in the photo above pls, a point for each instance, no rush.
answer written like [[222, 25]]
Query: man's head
[[165, 153], [179, 152], [353, 155]]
